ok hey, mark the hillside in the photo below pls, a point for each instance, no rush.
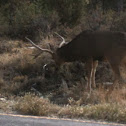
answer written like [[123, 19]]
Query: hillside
[[25, 88]]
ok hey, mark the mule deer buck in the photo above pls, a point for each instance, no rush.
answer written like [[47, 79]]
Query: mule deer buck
[[90, 47]]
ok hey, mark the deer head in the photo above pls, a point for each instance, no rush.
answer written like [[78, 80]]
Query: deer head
[[58, 60]]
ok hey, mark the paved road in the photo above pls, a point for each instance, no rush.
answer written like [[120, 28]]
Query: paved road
[[20, 120]]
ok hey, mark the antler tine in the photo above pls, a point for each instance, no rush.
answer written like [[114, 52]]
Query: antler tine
[[46, 50], [61, 38]]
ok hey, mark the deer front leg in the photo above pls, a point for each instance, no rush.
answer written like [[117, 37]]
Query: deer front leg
[[95, 64], [89, 68]]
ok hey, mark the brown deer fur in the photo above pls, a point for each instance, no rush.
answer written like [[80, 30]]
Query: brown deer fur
[[90, 46]]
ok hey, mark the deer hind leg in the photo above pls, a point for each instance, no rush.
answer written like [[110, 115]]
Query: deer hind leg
[[115, 63], [89, 68], [95, 64]]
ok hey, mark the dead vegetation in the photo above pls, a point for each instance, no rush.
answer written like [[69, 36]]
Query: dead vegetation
[[30, 90], [105, 109]]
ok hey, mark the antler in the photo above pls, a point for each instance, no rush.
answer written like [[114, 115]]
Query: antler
[[45, 50], [63, 42]]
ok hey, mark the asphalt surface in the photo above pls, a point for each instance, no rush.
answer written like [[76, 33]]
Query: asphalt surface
[[20, 120]]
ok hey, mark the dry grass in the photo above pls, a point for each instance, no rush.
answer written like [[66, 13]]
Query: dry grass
[[98, 96], [20, 73], [33, 105], [108, 112], [6, 105]]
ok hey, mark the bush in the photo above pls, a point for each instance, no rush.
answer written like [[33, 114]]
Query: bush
[[119, 23], [33, 105]]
